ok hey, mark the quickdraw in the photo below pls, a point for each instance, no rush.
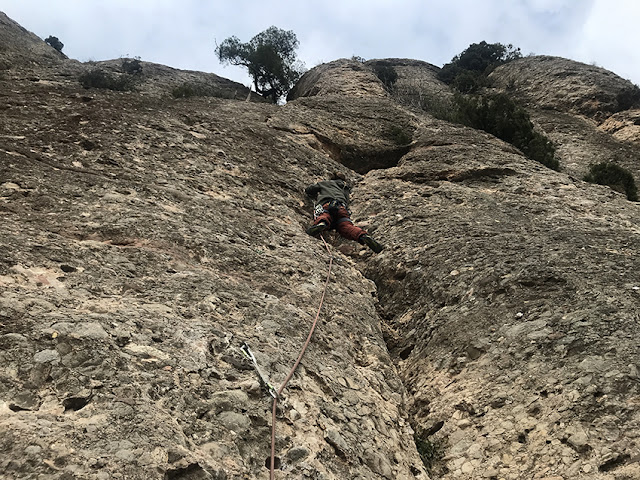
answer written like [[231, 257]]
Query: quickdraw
[[263, 379]]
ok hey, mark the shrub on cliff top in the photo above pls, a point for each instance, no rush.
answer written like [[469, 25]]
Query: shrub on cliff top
[[98, 78], [627, 98], [54, 42], [132, 66], [386, 73], [467, 71]]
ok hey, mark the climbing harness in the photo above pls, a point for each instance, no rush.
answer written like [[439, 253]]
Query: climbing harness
[[331, 208], [295, 365], [335, 205], [263, 379]]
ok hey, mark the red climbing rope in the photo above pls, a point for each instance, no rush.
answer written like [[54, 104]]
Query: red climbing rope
[[295, 365]]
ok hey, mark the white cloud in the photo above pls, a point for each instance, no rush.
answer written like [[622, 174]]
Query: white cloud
[[181, 33], [610, 38]]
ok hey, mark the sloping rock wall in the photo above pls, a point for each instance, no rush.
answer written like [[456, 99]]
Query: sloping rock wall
[[562, 84], [348, 78], [146, 238], [417, 85], [580, 143], [624, 126], [23, 48], [509, 293]]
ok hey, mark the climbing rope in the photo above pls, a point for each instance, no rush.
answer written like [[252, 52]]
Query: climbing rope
[[295, 365]]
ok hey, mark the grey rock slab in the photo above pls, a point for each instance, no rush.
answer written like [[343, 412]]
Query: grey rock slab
[[47, 356]]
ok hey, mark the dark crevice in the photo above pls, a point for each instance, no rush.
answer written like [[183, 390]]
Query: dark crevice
[[192, 471], [404, 353], [431, 451], [478, 174], [75, 403], [364, 162], [436, 427], [277, 463], [357, 159], [614, 463], [17, 408]]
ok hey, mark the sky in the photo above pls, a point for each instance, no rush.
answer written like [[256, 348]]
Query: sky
[[183, 33]]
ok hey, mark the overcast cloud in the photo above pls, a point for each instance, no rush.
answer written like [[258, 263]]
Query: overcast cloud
[[182, 33]]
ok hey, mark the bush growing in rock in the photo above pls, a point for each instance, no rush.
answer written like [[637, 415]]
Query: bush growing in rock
[[618, 178], [98, 78], [131, 66], [431, 452], [627, 98], [439, 106], [386, 73], [195, 89], [500, 116], [468, 81], [399, 135]]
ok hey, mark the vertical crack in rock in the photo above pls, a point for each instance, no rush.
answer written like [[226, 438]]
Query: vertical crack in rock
[[430, 451], [504, 311]]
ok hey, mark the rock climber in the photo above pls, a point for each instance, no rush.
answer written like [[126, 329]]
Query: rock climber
[[331, 199]]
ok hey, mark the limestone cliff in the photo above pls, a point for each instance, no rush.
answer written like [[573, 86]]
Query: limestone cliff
[[146, 238]]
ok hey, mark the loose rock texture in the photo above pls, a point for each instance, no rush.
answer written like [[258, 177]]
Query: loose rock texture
[[146, 238]]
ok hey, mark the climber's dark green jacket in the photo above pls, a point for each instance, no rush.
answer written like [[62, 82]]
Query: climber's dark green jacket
[[328, 190]]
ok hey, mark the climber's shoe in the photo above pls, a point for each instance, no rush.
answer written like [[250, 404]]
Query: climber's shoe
[[317, 229], [370, 242]]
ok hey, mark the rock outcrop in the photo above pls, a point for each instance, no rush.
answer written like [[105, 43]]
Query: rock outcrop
[[578, 107], [561, 84], [624, 125], [147, 238], [23, 48]]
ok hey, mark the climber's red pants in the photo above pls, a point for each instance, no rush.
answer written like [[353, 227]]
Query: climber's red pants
[[341, 221]]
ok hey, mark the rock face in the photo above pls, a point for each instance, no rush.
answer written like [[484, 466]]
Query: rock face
[[579, 108], [21, 47], [561, 84], [147, 238], [417, 85], [624, 126]]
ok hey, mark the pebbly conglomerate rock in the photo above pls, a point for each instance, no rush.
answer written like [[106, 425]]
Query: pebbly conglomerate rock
[[561, 84], [147, 238], [509, 294]]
